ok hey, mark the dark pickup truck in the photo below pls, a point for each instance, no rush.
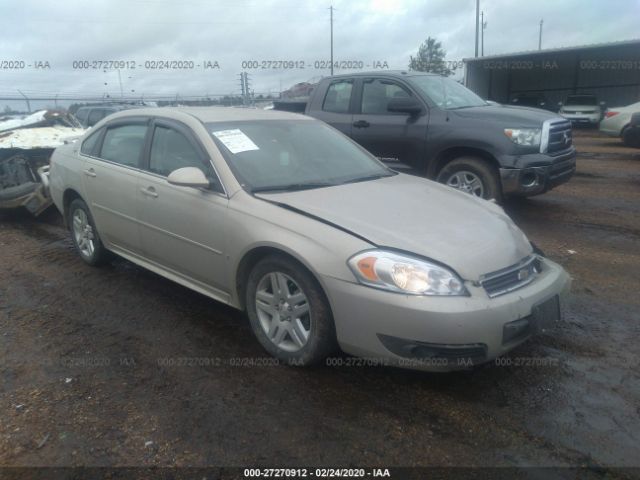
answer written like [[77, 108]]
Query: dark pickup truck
[[442, 130]]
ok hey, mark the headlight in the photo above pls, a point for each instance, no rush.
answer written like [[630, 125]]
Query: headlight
[[404, 274], [529, 137]]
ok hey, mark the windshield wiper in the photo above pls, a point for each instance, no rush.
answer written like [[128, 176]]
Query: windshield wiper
[[370, 177], [292, 187]]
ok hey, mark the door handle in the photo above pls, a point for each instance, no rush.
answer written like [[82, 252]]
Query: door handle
[[90, 172], [361, 124], [150, 192]]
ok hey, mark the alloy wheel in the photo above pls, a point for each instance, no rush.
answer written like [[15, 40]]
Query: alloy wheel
[[83, 233], [467, 182], [283, 311]]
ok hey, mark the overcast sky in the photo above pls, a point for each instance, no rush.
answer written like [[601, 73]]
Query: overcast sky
[[233, 31]]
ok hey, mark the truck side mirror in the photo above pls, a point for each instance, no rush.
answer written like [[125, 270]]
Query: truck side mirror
[[404, 105]]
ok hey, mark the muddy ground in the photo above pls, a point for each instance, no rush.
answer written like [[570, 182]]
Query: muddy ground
[[85, 359]]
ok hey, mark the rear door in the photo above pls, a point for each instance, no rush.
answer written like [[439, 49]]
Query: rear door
[[110, 179], [182, 229], [389, 136], [335, 106]]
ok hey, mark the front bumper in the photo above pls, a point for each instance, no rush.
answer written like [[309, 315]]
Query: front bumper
[[537, 179], [377, 324], [582, 118]]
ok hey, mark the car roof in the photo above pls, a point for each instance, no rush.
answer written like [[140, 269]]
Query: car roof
[[386, 73], [212, 114]]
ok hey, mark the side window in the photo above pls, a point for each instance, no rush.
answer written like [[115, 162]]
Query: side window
[[123, 144], [95, 116], [377, 93], [89, 145], [338, 97], [171, 150]]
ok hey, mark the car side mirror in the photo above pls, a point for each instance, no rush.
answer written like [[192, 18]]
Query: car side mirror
[[188, 177], [404, 105]]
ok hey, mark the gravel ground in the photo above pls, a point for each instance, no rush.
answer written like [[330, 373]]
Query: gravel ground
[[86, 375]]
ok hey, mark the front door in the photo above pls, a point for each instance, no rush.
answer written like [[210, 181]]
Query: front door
[[390, 136], [182, 229]]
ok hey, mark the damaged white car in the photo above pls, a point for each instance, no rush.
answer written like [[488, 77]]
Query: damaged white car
[[26, 144]]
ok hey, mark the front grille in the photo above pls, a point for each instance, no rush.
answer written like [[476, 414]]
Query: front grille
[[579, 112], [560, 137], [511, 278]]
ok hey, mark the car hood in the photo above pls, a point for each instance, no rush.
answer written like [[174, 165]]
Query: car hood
[[507, 115], [470, 235]]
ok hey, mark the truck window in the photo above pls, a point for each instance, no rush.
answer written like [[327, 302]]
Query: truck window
[[377, 93], [338, 97], [95, 116], [81, 114]]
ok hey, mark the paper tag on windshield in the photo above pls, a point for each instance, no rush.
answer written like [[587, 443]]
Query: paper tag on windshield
[[235, 140]]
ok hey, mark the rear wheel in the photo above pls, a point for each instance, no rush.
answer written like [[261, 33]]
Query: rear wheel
[[289, 313], [84, 234], [631, 137], [471, 175]]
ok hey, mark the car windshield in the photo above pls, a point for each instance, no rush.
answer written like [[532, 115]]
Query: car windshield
[[446, 93], [277, 155], [581, 100]]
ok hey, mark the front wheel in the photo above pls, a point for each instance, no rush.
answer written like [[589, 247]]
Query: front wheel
[[289, 313], [473, 176]]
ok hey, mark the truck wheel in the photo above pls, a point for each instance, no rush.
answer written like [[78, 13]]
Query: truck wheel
[[289, 313], [84, 234], [472, 175]]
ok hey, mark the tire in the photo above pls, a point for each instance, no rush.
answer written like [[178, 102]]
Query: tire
[[462, 170], [631, 137], [84, 234], [286, 339]]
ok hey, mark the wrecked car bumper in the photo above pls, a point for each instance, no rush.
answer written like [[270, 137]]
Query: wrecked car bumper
[[34, 197], [26, 146]]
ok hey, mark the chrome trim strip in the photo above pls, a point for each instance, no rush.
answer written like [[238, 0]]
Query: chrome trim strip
[[506, 271]]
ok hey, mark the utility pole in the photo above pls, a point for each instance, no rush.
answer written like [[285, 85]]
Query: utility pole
[[477, 24], [540, 36], [27, 99], [331, 22], [244, 87], [120, 82], [483, 26], [247, 97]]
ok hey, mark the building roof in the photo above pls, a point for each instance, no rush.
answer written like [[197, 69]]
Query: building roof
[[591, 46]]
